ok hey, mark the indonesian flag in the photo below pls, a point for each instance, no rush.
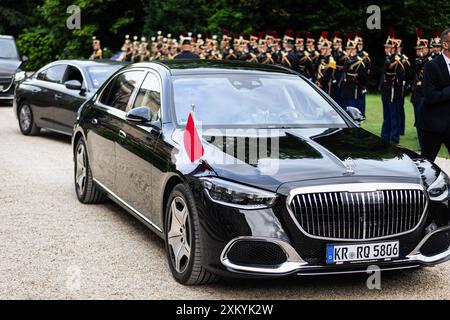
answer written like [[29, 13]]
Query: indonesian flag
[[191, 140]]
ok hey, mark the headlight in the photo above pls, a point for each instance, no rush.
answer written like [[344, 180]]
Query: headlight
[[236, 195], [438, 191], [20, 75]]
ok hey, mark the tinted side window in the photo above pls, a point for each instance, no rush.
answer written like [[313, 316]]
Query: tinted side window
[[118, 92], [73, 74], [55, 74], [41, 75], [150, 95]]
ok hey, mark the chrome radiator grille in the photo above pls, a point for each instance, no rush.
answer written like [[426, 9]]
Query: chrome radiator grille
[[358, 215]]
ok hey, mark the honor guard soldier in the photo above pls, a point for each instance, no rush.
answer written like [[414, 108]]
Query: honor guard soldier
[[326, 68], [340, 57], [143, 50], [364, 55], [436, 44], [156, 50], [313, 53], [391, 91], [354, 79], [265, 56], [406, 83], [417, 96], [97, 53], [126, 50], [305, 63], [186, 50], [160, 37], [289, 58], [135, 56]]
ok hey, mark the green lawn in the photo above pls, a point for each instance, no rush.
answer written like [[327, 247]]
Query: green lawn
[[374, 115]]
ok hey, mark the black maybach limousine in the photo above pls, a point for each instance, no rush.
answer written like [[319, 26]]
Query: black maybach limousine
[[312, 192]]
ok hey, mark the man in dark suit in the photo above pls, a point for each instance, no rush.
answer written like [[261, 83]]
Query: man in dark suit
[[186, 50], [434, 117]]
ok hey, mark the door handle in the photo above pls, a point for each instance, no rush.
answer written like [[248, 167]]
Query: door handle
[[122, 134], [58, 96], [94, 122]]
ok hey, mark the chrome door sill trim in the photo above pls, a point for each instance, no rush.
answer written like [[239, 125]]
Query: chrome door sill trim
[[324, 273], [135, 212]]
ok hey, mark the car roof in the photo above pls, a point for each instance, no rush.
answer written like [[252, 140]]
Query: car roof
[[180, 67], [6, 37], [90, 63]]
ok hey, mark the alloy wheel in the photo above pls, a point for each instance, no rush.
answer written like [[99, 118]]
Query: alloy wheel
[[80, 172], [179, 235], [25, 117]]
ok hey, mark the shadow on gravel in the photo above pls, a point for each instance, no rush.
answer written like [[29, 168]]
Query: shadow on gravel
[[138, 227], [55, 136]]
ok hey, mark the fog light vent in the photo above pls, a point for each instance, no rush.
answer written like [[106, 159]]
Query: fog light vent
[[256, 253]]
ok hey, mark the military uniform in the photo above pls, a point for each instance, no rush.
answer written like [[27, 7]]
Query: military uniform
[[435, 44], [326, 68], [354, 77], [364, 55], [406, 85], [392, 93], [186, 52], [417, 95], [339, 56], [313, 54], [304, 60], [289, 58]]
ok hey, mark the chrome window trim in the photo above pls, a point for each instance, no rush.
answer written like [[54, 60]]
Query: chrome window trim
[[135, 212], [356, 187], [115, 111], [158, 76]]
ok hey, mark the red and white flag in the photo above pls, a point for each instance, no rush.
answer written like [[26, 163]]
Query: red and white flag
[[192, 143]]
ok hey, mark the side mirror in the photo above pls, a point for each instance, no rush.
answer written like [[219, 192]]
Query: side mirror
[[139, 115], [355, 114], [24, 59], [73, 85]]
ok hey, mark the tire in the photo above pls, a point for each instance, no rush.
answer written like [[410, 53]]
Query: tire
[[185, 234], [26, 120], [87, 191]]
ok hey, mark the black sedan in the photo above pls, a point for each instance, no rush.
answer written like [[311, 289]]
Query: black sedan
[[251, 171], [51, 97], [10, 68]]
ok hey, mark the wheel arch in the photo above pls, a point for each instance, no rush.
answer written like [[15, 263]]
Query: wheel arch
[[77, 135], [171, 183], [19, 102]]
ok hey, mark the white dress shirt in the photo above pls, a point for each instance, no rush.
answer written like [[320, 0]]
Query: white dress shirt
[[447, 61]]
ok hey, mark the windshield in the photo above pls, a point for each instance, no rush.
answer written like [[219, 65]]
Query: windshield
[[8, 49], [99, 74], [258, 101]]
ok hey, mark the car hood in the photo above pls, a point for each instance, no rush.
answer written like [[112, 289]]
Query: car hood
[[274, 159], [9, 67]]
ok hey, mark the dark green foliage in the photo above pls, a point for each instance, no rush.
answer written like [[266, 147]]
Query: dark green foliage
[[110, 20]]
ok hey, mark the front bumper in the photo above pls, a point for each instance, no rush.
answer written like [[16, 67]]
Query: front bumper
[[221, 227], [296, 265]]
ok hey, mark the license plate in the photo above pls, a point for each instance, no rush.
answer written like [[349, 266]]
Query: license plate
[[338, 254]]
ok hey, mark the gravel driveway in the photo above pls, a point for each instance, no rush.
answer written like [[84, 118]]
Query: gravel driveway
[[52, 247]]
